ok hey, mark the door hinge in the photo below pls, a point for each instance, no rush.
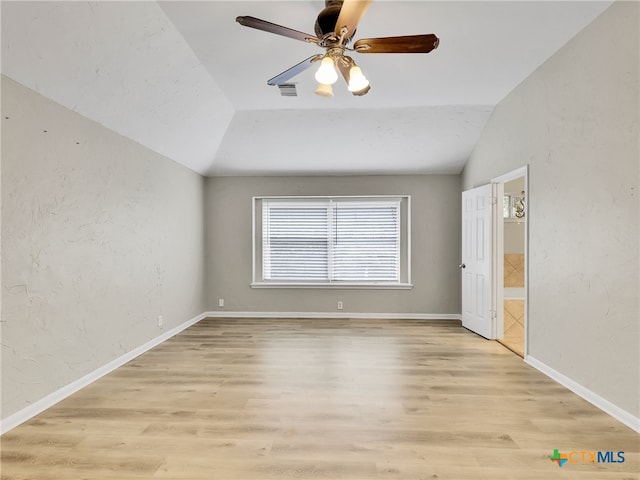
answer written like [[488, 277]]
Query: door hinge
[[494, 200], [494, 314]]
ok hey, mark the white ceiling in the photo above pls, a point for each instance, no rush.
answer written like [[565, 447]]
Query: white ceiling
[[187, 81]]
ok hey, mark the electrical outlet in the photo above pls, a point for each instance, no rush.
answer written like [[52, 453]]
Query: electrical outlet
[[160, 320], [340, 305], [221, 302]]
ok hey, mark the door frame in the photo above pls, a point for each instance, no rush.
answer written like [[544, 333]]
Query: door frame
[[498, 252]]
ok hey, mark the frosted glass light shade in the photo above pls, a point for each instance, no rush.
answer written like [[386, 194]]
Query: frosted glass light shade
[[327, 72], [324, 90], [357, 81]]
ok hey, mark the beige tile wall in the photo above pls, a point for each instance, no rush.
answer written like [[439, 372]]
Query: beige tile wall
[[514, 270], [514, 325], [514, 309]]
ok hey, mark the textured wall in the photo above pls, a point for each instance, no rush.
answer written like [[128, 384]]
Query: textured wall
[[575, 122], [435, 204], [100, 236], [122, 64]]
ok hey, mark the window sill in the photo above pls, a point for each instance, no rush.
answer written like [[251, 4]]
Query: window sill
[[344, 285]]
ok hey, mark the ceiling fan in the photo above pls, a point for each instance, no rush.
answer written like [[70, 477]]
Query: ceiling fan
[[335, 27]]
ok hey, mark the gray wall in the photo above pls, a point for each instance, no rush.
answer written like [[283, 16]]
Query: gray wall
[[513, 237], [435, 203], [99, 237], [575, 122]]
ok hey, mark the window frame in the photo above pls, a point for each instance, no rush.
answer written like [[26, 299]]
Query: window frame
[[404, 281]]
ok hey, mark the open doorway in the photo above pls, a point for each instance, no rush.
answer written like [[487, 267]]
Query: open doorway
[[510, 249], [494, 261]]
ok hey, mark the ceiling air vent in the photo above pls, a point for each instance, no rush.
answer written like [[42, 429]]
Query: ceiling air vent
[[288, 90]]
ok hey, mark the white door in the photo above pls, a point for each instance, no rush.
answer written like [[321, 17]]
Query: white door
[[476, 265]]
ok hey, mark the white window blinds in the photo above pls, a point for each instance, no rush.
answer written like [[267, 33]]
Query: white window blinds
[[295, 243], [366, 241], [331, 240]]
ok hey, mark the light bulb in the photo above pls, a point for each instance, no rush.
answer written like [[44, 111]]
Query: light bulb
[[327, 72], [324, 90], [357, 81]]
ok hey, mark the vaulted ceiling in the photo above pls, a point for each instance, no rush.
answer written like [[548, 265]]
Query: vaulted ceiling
[[187, 81]]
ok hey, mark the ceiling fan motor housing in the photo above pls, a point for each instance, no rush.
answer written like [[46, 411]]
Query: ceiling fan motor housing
[[327, 18]]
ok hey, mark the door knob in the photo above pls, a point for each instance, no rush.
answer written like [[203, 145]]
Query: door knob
[[462, 265]]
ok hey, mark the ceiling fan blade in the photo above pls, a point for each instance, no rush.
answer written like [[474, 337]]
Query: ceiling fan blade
[[277, 29], [405, 44], [293, 71], [344, 70], [351, 13]]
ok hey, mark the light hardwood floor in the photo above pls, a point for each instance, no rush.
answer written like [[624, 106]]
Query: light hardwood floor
[[319, 399]]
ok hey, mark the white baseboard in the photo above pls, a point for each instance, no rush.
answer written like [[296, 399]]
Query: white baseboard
[[605, 405], [342, 315], [50, 400]]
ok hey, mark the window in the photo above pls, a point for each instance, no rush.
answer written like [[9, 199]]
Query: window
[[331, 241], [513, 206]]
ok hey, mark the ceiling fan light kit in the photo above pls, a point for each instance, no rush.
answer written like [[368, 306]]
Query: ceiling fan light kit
[[327, 72], [357, 80], [324, 90], [335, 27]]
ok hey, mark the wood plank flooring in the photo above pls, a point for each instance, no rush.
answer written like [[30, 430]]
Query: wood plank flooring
[[319, 399]]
